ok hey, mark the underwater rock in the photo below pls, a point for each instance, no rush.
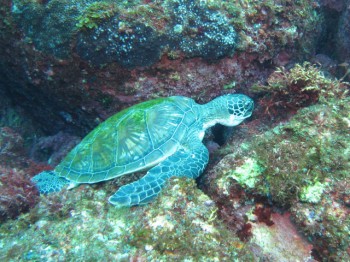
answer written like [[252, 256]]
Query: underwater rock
[[11, 146], [15, 124], [283, 162], [18, 195], [337, 5], [199, 31], [53, 149], [343, 37], [180, 225], [280, 241], [49, 26], [184, 223], [297, 166], [326, 225], [71, 64], [141, 46]]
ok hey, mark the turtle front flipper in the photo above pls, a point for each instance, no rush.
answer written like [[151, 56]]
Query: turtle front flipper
[[186, 162], [48, 182]]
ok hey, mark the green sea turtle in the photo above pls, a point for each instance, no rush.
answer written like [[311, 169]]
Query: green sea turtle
[[163, 135]]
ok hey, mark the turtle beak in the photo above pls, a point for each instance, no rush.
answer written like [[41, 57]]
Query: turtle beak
[[249, 106], [247, 114]]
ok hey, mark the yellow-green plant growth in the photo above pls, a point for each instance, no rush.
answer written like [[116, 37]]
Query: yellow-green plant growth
[[305, 77], [302, 85], [94, 14]]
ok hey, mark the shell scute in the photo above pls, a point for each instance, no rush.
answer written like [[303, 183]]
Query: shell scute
[[98, 176], [153, 156], [115, 171], [131, 140], [188, 120], [86, 177]]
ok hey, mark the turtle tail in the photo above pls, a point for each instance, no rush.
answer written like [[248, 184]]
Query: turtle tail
[[48, 182]]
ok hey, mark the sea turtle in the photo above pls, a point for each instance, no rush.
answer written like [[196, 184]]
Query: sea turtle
[[163, 135]]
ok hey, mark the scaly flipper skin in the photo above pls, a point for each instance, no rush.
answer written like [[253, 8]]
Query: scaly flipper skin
[[186, 162], [48, 182]]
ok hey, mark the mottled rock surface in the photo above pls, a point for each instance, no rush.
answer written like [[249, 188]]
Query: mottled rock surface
[[181, 224], [71, 64], [297, 166]]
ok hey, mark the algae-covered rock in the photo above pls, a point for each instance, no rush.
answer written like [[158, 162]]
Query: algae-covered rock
[[326, 224], [301, 166], [72, 63], [294, 158], [280, 240], [181, 225], [247, 174], [313, 193]]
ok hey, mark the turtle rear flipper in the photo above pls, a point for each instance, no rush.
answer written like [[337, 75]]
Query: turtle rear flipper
[[186, 162]]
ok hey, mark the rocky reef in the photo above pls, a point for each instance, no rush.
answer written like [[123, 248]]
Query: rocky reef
[[277, 187], [71, 64], [295, 168], [181, 224], [288, 184]]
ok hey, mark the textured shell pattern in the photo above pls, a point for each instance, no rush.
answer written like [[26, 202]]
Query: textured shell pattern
[[134, 139]]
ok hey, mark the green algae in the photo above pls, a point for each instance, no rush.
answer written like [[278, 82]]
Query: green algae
[[50, 25], [303, 78], [94, 14], [297, 159], [180, 224], [301, 165], [248, 173], [305, 152], [313, 193]]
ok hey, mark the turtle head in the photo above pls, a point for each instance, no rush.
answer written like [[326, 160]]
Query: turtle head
[[230, 110]]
